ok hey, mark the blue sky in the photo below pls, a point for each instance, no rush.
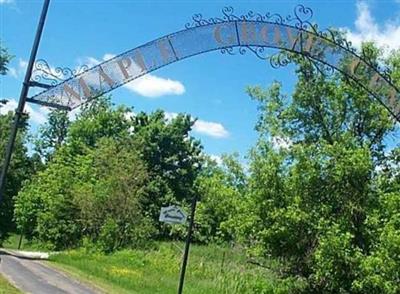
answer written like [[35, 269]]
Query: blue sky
[[210, 87]]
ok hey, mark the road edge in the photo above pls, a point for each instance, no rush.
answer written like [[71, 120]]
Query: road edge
[[25, 254], [74, 276]]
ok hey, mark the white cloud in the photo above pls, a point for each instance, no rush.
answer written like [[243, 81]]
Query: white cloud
[[10, 106], [212, 129], [13, 72], [19, 70], [37, 114], [170, 115], [23, 63], [148, 86], [367, 29], [92, 61], [153, 86], [6, 1], [216, 158], [108, 56]]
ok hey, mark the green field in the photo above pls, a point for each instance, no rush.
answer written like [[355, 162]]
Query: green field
[[6, 287], [211, 269]]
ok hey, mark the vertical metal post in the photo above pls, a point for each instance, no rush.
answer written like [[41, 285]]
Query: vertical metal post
[[187, 245], [20, 241], [22, 99]]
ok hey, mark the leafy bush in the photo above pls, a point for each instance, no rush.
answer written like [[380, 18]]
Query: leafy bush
[[45, 208], [220, 189], [380, 269], [108, 178], [335, 262]]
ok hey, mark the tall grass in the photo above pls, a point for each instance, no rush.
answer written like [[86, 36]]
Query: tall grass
[[211, 269]]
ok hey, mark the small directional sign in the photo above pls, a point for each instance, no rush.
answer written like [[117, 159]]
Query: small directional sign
[[172, 215]]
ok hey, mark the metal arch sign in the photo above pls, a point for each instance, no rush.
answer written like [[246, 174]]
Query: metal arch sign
[[250, 32]]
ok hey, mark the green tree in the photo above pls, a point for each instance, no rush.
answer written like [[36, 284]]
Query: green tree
[[379, 270], [96, 120], [21, 168], [221, 190], [45, 207], [52, 134], [152, 157], [173, 159], [21, 165], [5, 58], [109, 197], [95, 195], [310, 200]]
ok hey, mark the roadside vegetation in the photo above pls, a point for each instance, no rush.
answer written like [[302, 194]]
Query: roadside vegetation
[[212, 269], [12, 242], [314, 210], [7, 288]]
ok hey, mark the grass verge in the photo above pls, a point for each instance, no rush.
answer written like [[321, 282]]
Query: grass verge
[[13, 241], [211, 269], [7, 288]]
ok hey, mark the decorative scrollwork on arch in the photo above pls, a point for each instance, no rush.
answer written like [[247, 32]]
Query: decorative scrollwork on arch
[[43, 72], [300, 19], [259, 52], [281, 58], [228, 51]]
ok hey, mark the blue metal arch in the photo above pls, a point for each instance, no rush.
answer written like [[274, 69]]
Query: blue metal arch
[[252, 32]]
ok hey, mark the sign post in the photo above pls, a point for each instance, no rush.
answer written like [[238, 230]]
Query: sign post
[[175, 215], [187, 245]]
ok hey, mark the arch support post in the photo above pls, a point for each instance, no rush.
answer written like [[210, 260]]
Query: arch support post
[[22, 99]]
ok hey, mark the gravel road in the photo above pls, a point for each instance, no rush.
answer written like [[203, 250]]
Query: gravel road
[[35, 277]]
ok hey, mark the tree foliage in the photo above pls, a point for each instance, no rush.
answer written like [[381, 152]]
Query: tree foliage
[[52, 134], [220, 189], [173, 159], [20, 169], [108, 177], [320, 194], [21, 165], [316, 203], [5, 58]]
